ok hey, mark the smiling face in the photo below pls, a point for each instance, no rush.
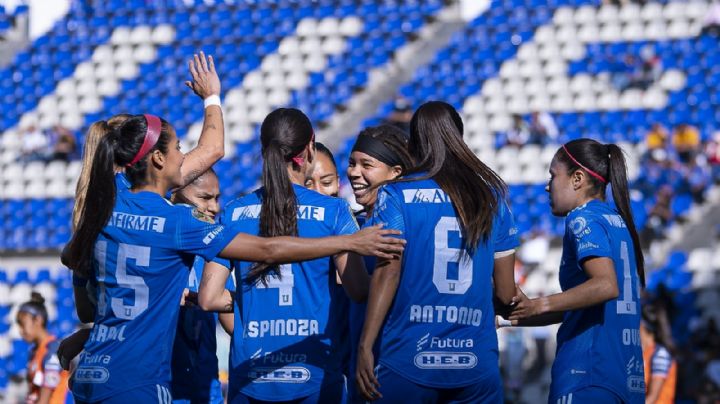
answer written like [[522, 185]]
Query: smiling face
[[323, 177], [365, 173]]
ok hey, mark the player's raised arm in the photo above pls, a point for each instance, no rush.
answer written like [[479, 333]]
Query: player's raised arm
[[211, 145]]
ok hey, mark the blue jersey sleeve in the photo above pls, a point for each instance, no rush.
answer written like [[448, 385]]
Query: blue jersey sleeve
[[345, 222], [661, 362], [51, 366], [505, 232], [198, 235], [589, 237], [388, 210]]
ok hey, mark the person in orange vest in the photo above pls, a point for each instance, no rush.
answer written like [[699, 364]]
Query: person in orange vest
[[660, 366], [47, 382]]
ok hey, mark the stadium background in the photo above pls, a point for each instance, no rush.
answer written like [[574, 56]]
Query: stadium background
[[527, 75]]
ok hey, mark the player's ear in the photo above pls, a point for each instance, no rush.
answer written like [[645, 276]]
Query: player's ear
[[157, 158], [578, 178], [396, 171]]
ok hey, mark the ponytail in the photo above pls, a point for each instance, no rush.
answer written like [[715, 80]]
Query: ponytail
[[96, 209], [617, 173], [97, 132], [284, 134], [121, 138]]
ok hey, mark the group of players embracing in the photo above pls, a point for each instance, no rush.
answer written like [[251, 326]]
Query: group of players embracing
[[325, 305]]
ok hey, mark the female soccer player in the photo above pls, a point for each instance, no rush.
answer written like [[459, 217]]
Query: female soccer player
[[194, 358], [143, 246], [287, 343], [323, 177], [47, 382], [599, 357], [210, 148], [379, 154], [434, 303]]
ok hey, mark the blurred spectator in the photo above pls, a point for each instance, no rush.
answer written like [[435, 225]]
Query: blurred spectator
[[659, 217], [712, 153], [657, 137], [400, 115], [686, 141], [649, 69], [34, 144], [63, 143], [696, 179], [519, 133], [660, 364], [658, 169], [621, 71], [542, 128], [711, 24]]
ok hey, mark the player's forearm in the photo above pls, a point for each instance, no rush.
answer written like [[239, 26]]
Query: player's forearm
[[282, 250], [383, 287], [210, 147], [84, 308], [589, 293], [540, 320]]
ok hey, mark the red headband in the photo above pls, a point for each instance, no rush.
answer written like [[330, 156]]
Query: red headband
[[591, 172], [298, 159], [154, 126]]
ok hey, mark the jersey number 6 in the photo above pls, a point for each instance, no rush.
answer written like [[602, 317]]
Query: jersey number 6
[[446, 255]]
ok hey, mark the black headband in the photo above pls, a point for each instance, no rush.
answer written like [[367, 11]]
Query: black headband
[[376, 148]]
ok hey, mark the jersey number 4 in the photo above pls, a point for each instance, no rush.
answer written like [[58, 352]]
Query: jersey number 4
[[446, 255], [284, 285], [137, 284]]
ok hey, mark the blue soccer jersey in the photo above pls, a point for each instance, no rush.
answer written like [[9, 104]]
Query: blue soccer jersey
[[194, 357], [599, 345], [440, 329], [290, 335], [141, 261]]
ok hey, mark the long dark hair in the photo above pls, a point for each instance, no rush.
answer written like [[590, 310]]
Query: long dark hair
[[608, 162], [476, 191], [117, 148], [284, 134]]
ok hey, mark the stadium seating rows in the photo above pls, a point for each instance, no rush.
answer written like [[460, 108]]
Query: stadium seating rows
[[518, 57]]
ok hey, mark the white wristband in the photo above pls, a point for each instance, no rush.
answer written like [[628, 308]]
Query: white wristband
[[212, 100], [85, 326], [504, 323]]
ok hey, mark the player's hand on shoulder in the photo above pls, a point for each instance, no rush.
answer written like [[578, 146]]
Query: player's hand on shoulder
[[376, 241], [205, 81]]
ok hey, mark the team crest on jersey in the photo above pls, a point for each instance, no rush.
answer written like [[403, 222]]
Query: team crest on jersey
[[579, 227], [202, 217]]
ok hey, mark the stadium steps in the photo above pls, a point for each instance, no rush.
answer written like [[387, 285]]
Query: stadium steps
[[384, 81]]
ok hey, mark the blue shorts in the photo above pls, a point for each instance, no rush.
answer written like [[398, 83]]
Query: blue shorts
[[397, 389], [152, 393], [592, 394], [215, 396]]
